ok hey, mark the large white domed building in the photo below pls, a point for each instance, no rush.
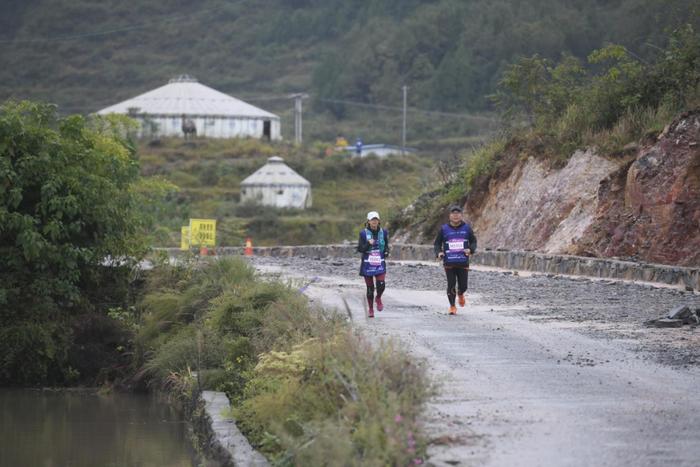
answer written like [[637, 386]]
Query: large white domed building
[[214, 114]]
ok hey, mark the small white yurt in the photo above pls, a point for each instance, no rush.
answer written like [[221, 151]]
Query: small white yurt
[[206, 111], [276, 184]]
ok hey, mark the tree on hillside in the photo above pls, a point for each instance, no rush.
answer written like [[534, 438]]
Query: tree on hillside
[[616, 99], [615, 82], [67, 205]]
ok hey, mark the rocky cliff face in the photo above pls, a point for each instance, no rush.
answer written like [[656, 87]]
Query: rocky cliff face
[[537, 208], [644, 206], [650, 209]]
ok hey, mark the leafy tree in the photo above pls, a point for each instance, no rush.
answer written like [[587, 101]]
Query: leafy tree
[[677, 73], [538, 88], [567, 100], [67, 206], [615, 81]]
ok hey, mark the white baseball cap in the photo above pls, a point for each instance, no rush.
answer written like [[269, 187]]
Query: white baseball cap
[[372, 214]]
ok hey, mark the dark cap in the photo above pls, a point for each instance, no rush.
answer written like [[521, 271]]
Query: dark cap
[[455, 207]]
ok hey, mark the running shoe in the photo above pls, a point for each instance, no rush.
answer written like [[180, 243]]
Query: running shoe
[[370, 314], [462, 300], [380, 305], [453, 310]]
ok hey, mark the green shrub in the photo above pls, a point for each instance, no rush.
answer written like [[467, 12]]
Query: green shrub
[[241, 310], [160, 312], [70, 199], [481, 163], [183, 179], [34, 353], [100, 348], [636, 123], [371, 396], [619, 99], [292, 320], [213, 280], [189, 349]]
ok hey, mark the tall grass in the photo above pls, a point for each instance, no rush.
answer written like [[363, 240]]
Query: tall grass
[[337, 398], [306, 387], [635, 125]]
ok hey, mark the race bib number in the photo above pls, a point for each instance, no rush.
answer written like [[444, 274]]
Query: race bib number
[[375, 259], [455, 246]]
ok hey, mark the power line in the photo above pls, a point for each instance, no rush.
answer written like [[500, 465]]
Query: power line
[[133, 27], [285, 97], [377, 106], [409, 109], [265, 98]]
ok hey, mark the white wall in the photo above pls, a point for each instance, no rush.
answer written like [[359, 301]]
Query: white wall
[[214, 127], [288, 196]]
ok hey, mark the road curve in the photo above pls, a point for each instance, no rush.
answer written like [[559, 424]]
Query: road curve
[[517, 390]]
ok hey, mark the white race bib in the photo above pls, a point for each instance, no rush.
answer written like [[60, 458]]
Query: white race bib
[[375, 259], [455, 245]]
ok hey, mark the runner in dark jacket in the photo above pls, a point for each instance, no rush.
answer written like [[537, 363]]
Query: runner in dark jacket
[[454, 244], [374, 246]]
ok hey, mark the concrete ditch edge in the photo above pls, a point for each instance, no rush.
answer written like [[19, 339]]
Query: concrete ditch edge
[[225, 443], [506, 259]]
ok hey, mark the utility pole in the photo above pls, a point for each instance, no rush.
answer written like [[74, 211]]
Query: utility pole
[[403, 134], [297, 115]]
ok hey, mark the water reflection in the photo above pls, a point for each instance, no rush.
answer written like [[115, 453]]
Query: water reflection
[[47, 429]]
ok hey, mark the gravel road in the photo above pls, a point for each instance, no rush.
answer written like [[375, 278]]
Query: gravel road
[[536, 370]]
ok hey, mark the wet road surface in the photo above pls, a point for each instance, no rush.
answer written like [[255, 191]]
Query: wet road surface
[[535, 370]]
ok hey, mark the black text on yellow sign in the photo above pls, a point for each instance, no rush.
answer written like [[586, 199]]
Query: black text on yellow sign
[[203, 232]]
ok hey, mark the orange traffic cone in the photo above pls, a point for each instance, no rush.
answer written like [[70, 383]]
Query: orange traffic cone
[[248, 247]]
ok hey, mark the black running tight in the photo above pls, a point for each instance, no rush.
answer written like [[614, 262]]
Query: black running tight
[[456, 276]]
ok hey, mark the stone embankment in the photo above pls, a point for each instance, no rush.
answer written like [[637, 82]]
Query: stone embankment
[[688, 278], [223, 442]]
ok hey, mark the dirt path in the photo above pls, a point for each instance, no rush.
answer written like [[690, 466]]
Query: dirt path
[[536, 377]]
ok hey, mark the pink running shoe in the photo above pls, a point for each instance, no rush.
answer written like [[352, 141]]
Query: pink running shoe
[[380, 305]]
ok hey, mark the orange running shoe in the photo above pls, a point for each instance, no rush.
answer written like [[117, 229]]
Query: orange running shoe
[[453, 310], [462, 300]]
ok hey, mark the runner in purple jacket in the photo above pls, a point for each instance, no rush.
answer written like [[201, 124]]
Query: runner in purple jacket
[[374, 246], [454, 244]]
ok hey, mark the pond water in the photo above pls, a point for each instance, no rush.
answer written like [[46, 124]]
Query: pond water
[[66, 428]]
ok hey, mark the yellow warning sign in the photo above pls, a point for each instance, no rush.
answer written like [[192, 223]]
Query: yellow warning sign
[[185, 238], [203, 232]]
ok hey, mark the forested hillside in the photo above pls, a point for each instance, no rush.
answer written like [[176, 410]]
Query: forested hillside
[[85, 55]]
